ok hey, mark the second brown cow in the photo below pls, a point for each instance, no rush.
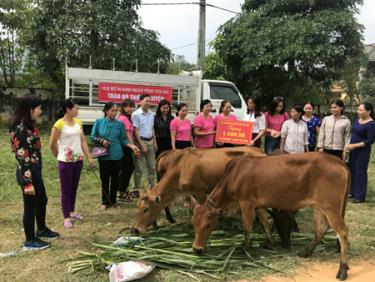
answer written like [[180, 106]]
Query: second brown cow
[[286, 182]]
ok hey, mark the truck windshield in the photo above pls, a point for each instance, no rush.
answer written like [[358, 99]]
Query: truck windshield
[[225, 92]]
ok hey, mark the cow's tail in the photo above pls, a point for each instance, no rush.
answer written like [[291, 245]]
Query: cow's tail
[[346, 193]]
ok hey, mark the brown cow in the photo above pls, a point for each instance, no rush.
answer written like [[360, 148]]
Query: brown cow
[[287, 182], [189, 171]]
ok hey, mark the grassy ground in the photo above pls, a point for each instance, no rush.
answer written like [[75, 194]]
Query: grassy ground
[[50, 265]]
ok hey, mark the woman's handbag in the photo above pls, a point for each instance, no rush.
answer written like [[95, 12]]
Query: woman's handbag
[[99, 151]]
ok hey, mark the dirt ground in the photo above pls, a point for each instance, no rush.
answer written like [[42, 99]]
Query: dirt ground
[[360, 271]]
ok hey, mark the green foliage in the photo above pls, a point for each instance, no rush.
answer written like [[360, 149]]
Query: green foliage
[[276, 46], [367, 84], [178, 64], [102, 29], [350, 76], [14, 16], [214, 67]]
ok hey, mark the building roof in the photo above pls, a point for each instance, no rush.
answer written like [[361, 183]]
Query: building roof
[[370, 52]]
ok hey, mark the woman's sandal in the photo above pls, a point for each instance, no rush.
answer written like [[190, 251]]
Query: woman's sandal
[[77, 216], [68, 223]]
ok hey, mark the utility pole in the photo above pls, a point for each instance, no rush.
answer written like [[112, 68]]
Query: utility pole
[[202, 34]]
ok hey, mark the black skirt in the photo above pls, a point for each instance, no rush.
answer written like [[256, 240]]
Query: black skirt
[[182, 144]]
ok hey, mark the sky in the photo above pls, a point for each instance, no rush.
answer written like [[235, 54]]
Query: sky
[[178, 25]]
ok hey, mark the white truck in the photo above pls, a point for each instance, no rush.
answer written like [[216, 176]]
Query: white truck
[[81, 85]]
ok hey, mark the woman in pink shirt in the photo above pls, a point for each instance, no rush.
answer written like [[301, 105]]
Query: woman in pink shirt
[[224, 114], [127, 168], [204, 126], [275, 118], [181, 129]]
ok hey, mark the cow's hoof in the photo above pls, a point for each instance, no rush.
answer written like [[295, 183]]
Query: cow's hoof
[[342, 274], [305, 253], [246, 245], [198, 251], [267, 245], [286, 246], [134, 231]]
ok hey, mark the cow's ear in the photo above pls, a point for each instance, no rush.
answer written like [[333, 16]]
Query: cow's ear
[[157, 199]]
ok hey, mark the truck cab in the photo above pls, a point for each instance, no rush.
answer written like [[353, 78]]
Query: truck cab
[[217, 91]]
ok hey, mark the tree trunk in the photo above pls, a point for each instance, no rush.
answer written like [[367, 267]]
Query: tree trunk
[[3, 63], [292, 89]]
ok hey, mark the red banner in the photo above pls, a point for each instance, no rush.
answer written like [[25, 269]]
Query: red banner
[[116, 92], [234, 132]]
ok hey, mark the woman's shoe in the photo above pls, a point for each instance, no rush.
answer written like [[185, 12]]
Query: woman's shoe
[[103, 207], [76, 216], [47, 234], [356, 201], [68, 223], [35, 245]]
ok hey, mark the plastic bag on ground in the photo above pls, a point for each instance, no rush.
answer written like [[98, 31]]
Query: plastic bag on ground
[[127, 241], [129, 271]]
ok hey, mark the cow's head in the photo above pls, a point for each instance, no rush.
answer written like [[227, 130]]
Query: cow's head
[[204, 221], [149, 207]]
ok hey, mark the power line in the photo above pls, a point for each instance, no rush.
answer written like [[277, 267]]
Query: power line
[[189, 3], [188, 45]]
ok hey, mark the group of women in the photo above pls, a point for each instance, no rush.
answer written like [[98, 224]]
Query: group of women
[[302, 132]]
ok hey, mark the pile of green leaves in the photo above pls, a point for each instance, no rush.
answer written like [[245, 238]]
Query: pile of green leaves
[[170, 248]]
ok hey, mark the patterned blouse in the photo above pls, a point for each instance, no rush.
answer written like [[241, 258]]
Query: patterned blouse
[[312, 124], [26, 147]]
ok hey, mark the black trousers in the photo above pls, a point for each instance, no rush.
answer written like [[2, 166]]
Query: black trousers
[[337, 153], [34, 206], [182, 144], [109, 175], [225, 145], [127, 167], [164, 144]]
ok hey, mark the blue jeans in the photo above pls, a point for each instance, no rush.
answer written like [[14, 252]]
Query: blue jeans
[[271, 144]]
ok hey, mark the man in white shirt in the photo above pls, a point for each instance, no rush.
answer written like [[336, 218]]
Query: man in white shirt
[[144, 135]]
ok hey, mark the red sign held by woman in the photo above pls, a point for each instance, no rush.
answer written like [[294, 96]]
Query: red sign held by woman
[[234, 132], [116, 92]]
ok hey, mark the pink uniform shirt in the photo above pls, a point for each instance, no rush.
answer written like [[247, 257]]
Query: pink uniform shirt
[[205, 124], [182, 129], [127, 124], [220, 117], [275, 122]]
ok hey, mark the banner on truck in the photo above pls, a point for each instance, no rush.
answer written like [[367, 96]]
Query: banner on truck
[[234, 132], [116, 92]]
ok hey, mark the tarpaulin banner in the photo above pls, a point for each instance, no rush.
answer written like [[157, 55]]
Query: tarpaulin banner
[[116, 92], [234, 132]]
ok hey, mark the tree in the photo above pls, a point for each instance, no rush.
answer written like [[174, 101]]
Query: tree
[[14, 15], [367, 83], [350, 77], [101, 29], [278, 46], [178, 64]]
